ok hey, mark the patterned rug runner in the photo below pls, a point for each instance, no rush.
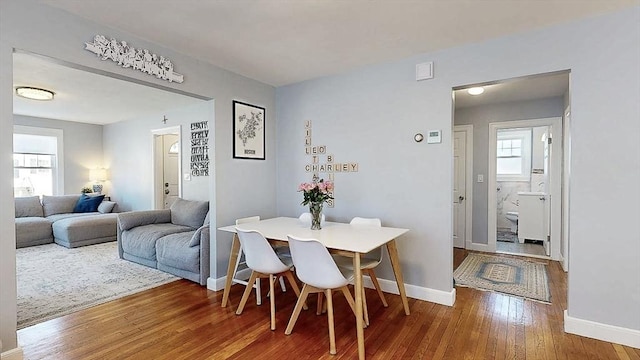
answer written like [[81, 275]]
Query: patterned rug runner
[[526, 279], [54, 281]]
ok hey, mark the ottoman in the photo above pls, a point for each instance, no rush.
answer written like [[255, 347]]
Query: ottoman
[[85, 230]]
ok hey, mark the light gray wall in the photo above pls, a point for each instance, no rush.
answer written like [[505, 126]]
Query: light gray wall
[[370, 115], [480, 117], [241, 186], [7, 209], [131, 176], [82, 148]]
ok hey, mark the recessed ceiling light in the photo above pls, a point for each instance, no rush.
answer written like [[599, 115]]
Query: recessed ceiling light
[[475, 90], [34, 93]]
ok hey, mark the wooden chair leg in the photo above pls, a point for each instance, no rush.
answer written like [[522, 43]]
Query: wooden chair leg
[[247, 291], [296, 311], [347, 295], [258, 292], [332, 334], [319, 307], [294, 286], [272, 301], [376, 284], [365, 311]]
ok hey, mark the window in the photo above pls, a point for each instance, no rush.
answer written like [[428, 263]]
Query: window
[[33, 174], [513, 152], [36, 161]]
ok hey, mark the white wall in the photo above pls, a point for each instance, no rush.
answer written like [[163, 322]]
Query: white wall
[[370, 115], [82, 149], [480, 117], [241, 186], [131, 176]]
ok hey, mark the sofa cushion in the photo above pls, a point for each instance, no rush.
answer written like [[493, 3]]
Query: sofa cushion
[[106, 207], [28, 206], [58, 217], [141, 240], [87, 203], [59, 204], [174, 250], [130, 219], [31, 231], [189, 212]]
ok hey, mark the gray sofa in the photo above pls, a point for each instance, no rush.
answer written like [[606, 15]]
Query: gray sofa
[[174, 240], [53, 220]]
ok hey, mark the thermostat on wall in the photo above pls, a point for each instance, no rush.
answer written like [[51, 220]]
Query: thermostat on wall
[[434, 137]]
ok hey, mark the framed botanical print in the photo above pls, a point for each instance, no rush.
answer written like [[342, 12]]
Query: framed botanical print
[[248, 131]]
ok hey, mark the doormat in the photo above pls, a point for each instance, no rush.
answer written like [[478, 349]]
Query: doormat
[[526, 279]]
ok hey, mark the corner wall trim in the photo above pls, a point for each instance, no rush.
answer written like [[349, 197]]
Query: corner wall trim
[[13, 354], [599, 331]]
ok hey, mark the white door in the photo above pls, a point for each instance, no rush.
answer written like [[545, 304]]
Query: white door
[[459, 188], [171, 151]]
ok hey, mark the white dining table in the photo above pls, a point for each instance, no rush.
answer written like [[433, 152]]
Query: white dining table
[[340, 238]]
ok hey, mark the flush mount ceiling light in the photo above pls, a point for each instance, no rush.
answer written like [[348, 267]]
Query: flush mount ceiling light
[[475, 90], [34, 93]]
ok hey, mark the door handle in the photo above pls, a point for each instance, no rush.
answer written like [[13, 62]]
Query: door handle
[[166, 191], [166, 184], [460, 198], [543, 198]]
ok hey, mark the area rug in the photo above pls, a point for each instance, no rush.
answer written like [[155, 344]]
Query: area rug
[[54, 281], [526, 279]]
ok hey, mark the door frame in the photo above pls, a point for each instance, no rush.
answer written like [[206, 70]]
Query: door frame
[[468, 206], [157, 202], [555, 166]]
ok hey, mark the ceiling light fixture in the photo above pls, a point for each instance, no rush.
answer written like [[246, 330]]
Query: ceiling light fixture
[[34, 93], [475, 90]]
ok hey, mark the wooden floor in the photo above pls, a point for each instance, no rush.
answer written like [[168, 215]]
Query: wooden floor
[[182, 320]]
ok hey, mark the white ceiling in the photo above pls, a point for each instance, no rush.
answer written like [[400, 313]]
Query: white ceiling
[[86, 97], [281, 42]]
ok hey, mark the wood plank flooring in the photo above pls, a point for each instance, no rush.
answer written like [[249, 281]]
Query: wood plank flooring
[[182, 320]]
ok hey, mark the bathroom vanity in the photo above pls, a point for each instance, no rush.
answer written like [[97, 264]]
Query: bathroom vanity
[[533, 217]]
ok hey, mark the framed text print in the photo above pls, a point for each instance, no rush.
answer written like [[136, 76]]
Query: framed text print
[[248, 131]]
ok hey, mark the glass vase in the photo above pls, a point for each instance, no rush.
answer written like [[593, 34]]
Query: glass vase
[[315, 208]]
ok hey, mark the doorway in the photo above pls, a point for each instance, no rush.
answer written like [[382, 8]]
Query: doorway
[[524, 192], [167, 166]]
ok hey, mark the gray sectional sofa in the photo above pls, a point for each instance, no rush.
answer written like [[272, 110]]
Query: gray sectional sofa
[[53, 220], [174, 240]]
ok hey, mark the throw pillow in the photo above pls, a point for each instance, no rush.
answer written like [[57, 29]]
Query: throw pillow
[[88, 203], [106, 207], [189, 212]]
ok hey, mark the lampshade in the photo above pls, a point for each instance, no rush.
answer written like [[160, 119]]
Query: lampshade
[[34, 93], [97, 174]]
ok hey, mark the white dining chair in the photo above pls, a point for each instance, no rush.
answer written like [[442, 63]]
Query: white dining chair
[[319, 274], [240, 263], [367, 263], [305, 218], [264, 263]]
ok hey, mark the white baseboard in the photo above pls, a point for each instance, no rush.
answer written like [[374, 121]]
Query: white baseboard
[[218, 284], [478, 247], [416, 292], [13, 354], [599, 331]]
